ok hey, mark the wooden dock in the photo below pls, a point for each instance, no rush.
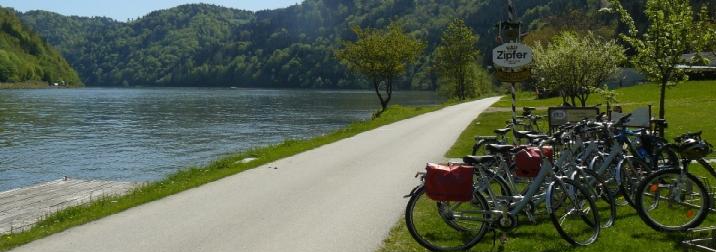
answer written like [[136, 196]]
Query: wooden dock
[[21, 208]]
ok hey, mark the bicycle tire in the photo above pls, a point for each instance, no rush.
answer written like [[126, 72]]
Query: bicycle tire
[[631, 176], [490, 179], [580, 195], [610, 179], [649, 197], [604, 197], [426, 227]]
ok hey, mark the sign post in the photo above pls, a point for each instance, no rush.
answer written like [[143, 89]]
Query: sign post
[[512, 59]]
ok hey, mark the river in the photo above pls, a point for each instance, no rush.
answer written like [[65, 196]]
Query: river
[[143, 134]]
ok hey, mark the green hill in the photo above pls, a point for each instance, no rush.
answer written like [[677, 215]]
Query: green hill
[[208, 45], [25, 57]]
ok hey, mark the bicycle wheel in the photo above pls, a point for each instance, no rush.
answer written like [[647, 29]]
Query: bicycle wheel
[[603, 196], [609, 176], [491, 186], [573, 212], [632, 171], [426, 222], [671, 201]]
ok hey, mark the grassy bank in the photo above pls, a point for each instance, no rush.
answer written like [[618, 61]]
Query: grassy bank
[[193, 177], [24, 85], [687, 110]]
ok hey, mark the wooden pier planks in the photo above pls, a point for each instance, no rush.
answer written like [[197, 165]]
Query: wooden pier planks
[[22, 207]]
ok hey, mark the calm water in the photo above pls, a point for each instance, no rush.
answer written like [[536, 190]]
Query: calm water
[[144, 134]]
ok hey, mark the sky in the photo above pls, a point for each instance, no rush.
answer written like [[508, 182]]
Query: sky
[[123, 9]]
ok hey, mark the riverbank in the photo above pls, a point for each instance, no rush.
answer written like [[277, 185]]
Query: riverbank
[[684, 111], [196, 176], [291, 201], [20, 208], [29, 85]]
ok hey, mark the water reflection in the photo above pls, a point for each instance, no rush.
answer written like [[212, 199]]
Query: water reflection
[[143, 134]]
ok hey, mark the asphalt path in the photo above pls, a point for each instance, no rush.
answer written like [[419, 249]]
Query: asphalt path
[[343, 196]]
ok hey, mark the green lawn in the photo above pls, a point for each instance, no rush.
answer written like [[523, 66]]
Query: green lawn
[[687, 110]]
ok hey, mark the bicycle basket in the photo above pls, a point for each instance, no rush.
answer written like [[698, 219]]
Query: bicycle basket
[[449, 182]]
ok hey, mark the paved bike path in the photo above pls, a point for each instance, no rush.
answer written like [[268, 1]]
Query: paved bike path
[[343, 196]]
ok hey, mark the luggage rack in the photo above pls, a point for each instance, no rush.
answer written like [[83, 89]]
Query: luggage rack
[[700, 239], [712, 194]]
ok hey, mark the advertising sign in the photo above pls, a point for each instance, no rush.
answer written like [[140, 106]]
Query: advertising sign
[[513, 76], [561, 115], [511, 56], [640, 117]]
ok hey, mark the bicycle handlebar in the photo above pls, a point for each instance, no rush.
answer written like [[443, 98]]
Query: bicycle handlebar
[[623, 120]]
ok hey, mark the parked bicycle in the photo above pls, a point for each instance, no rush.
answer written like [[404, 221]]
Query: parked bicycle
[[461, 225], [675, 199], [579, 175]]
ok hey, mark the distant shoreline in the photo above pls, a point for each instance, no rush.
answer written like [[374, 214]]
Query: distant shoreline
[[29, 85]]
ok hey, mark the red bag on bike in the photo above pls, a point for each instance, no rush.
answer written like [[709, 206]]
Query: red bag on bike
[[529, 161], [451, 182], [548, 151]]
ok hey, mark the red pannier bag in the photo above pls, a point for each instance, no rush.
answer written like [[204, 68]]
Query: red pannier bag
[[549, 152], [451, 182], [529, 162]]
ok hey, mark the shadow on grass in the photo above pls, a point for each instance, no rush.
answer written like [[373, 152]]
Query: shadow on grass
[[623, 216]]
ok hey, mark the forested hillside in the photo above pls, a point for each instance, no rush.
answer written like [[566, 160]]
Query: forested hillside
[[200, 45], [24, 56]]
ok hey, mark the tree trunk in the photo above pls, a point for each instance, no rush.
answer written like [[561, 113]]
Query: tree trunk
[[662, 97], [583, 99], [389, 91], [383, 103]]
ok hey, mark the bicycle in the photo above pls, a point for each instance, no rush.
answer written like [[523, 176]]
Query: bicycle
[[674, 200], [571, 208]]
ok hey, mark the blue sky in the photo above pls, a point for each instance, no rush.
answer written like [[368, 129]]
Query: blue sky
[[123, 9]]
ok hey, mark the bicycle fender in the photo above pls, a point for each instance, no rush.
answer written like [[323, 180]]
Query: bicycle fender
[[548, 203], [412, 192], [619, 171]]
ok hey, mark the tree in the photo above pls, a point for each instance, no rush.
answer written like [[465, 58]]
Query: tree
[[456, 60], [477, 81], [574, 65], [7, 67], [381, 55], [672, 32]]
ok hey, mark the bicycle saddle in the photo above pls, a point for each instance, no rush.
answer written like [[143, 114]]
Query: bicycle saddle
[[478, 159], [522, 134], [501, 148], [502, 131], [486, 138], [535, 136]]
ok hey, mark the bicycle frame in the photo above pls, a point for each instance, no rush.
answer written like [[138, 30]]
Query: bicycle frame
[[546, 172]]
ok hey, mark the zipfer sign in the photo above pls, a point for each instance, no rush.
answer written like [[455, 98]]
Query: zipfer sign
[[511, 56]]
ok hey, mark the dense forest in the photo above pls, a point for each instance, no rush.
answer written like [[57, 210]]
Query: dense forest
[[24, 56], [208, 45]]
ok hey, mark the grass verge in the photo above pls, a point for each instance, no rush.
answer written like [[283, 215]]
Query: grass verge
[[24, 85], [686, 111], [196, 176]]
